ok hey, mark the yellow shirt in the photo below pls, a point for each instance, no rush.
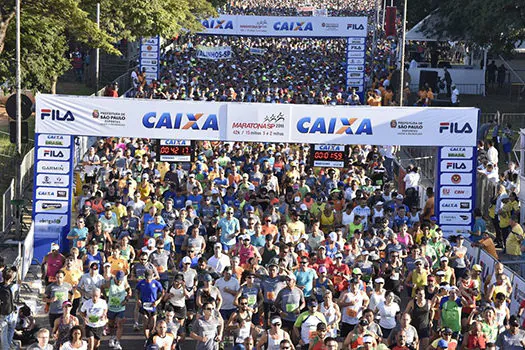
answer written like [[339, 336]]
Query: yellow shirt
[[119, 211], [504, 216], [119, 264], [419, 280], [514, 240], [149, 204], [72, 277], [297, 229]]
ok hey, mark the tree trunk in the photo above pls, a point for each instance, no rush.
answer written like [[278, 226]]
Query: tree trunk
[[5, 20], [54, 80]]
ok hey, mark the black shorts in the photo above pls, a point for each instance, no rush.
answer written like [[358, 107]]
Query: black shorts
[[95, 332], [180, 312], [423, 333], [190, 305]]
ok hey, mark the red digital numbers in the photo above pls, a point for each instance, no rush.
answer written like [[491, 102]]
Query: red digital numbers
[[175, 150], [328, 155]]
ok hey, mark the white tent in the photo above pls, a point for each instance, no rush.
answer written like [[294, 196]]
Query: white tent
[[417, 33]]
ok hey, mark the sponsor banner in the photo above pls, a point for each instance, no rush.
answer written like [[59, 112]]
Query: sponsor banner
[[355, 41], [258, 123], [455, 218], [52, 167], [472, 252], [354, 82], [257, 51], [366, 125], [354, 47], [461, 166], [455, 192], [304, 27], [355, 54], [455, 205], [52, 180], [46, 140], [128, 117], [354, 68], [171, 142], [52, 207], [214, 53], [46, 153], [487, 263], [192, 120], [455, 179], [356, 75], [149, 57], [456, 152], [320, 13], [455, 230], [518, 294], [52, 193], [355, 61], [47, 220]]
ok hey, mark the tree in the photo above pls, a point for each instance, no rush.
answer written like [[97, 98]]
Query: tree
[[48, 27], [497, 24]]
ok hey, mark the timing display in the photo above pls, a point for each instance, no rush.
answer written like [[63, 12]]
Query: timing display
[[175, 151], [335, 156]]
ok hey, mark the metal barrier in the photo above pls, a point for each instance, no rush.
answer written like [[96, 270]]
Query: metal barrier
[[26, 169], [485, 191], [7, 208], [487, 117], [464, 89], [422, 157], [516, 120]]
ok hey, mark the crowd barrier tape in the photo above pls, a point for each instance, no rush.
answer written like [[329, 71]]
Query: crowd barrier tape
[[487, 262]]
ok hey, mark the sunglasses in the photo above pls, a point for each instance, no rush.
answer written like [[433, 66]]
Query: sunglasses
[[209, 309], [304, 262], [244, 304], [276, 324], [192, 251], [285, 347]]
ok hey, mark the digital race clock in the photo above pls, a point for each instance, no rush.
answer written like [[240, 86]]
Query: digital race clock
[[334, 156], [175, 151]]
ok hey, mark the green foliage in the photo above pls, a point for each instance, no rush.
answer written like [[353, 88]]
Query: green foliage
[[497, 24], [49, 27]]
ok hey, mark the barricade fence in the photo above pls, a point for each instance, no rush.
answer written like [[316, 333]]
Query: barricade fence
[[487, 262], [464, 89], [7, 209], [485, 192]]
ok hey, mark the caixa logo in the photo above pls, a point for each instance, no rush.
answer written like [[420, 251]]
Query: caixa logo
[[348, 126], [197, 121], [217, 24], [56, 114], [293, 26], [455, 128]]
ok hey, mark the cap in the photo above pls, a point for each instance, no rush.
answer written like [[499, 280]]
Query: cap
[[447, 330], [444, 258], [357, 271], [119, 276], [312, 302], [145, 176], [433, 218], [321, 247], [245, 237], [151, 242], [276, 320], [186, 260], [107, 264], [440, 273], [191, 175], [303, 207], [321, 326], [67, 302], [333, 236], [304, 237], [379, 280], [249, 208], [364, 322], [379, 203], [217, 245], [453, 288], [94, 262], [477, 267], [291, 276], [322, 269], [207, 278], [442, 343], [107, 205], [400, 197], [245, 176], [365, 252], [514, 321], [179, 277], [55, 246], [338, 256], [300, 247], [368, 339]]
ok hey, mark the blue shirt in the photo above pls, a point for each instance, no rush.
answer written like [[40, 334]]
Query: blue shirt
[[479, 225], [149, 292], [229, 227], [79, 235], [154, 230], [305, 279]]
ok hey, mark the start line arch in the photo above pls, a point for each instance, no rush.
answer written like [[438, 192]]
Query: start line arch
[[60, 118]]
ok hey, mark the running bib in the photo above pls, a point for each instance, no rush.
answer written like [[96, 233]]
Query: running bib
[[114, 301], [93, 318], [148, 306], [290, 307], [351, 313], [61, 296], [270, 296], [252, 299]]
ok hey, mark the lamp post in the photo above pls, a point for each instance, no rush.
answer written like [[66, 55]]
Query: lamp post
[[97, 54], [403, 54]]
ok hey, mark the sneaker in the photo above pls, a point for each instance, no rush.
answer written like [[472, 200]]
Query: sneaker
[[112, 342], [117, 345], [136, 327]]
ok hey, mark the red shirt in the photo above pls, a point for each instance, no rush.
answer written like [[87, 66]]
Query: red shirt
[[477, 341], [327, 262]]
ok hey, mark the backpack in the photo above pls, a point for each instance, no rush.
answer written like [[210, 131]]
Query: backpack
[[6, 300]]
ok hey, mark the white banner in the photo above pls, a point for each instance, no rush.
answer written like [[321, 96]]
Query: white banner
[[214, 53], [160, 119], [257, 51], [304, 27], [518, 294]]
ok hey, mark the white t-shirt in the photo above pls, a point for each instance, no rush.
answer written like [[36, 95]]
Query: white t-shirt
[[67, 346], [95, 312], [388, 314], [218, 264], [227, 298], [87, 283], [411, 180]]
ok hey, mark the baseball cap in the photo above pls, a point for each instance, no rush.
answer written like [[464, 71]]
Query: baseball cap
[[442, 343], [217, 245], [291, 276], [276, 320], [444, 258], [400, 197], [249, 208], [312, 302], [379, 280], [120, 275], [379, 203], [55, 246], [338, 256], [145, 176], [107, 264], [94, 262], [332, 236], [191, 175], [477, 267], [300, 247], [67, 302], [207, 277], [357, 271], [368, 339], [151, 242], [322, 269], [433, 218], [364, 322], [186, 260], [514, 321]]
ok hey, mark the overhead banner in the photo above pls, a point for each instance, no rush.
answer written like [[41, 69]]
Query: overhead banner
[[214, 53], [231, 121], [306, 27]]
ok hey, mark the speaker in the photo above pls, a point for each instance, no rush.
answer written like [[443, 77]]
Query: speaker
[[429, 77]]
